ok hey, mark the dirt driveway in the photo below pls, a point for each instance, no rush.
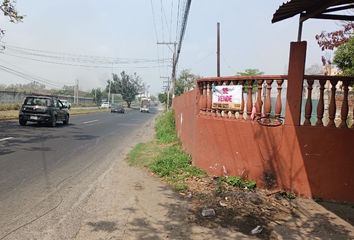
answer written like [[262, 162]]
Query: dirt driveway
[[130, 203]]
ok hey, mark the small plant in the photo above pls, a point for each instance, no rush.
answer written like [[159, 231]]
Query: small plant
[[174, 161], [237, 181], [290, 195], [219, 186]]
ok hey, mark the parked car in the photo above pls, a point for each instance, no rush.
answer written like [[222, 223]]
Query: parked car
[[117, 109], [66, 103], [105, 105], [43, 109]]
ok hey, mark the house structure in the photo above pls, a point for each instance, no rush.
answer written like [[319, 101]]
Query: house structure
[[285, 142]]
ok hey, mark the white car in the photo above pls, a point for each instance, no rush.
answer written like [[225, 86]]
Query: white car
[[105, 105]]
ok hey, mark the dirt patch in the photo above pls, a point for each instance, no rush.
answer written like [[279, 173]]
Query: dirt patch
[[269, 215]]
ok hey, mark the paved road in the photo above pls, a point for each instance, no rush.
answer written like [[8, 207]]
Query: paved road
[[44, 169]]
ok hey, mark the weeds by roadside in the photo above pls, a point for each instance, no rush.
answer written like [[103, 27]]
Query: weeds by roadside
[[164, 155], [165, 128], [8, 107], [13, 114]]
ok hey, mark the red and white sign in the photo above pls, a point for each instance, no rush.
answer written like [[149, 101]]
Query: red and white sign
[[227, 97]]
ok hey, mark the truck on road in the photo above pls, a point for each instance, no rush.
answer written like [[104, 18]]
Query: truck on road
[[145, 105]]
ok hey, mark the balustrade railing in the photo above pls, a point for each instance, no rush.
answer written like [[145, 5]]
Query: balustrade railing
[[334, 98], [257, 98], [327, 101]]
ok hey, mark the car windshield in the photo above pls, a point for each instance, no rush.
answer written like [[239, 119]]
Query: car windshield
[[37, 101]]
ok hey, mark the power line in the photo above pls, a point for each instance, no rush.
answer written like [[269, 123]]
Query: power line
[[182, 32], [153, 19], [177, 19], [74, 64], [171, 17], [70, 57], [24, 71], [183, 29], [26, 76]]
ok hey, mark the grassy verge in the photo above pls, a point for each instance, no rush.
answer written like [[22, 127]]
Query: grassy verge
[[6, 107], [13, 114], [164, 155], [9, 114]]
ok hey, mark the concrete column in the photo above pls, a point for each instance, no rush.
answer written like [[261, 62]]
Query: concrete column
[[297, 61]]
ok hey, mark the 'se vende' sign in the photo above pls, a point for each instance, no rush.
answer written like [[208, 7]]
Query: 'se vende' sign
[[227, 97]]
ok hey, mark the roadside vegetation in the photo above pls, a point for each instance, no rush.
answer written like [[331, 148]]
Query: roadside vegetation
[[164, 155], [7, 107], [10, 111]]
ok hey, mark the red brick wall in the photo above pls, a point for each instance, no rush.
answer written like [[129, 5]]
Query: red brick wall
[[185, 115]]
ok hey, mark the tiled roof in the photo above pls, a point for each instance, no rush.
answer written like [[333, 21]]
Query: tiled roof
[[311, 8]]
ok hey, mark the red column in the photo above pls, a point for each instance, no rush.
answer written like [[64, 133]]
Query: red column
[[295, 80]]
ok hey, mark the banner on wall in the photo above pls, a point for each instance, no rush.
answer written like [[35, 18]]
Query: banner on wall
[[227, 97]]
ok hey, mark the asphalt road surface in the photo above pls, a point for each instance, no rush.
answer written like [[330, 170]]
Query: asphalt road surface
[[43, 169]]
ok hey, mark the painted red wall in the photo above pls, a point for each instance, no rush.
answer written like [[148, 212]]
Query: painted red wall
[[310, 161]]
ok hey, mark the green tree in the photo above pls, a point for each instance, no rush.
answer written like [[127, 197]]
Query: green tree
[[9, 10], [97, 95], [162, 97], [185, 82], [344, 57], [127, 85], [250, 72]]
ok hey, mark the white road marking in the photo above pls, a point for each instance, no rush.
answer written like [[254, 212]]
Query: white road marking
[[90, 121], [4, 139]]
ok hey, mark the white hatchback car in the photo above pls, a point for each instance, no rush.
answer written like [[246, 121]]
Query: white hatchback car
[[105, 105]]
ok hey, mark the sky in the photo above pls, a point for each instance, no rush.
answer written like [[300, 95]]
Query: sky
[[61, 41]]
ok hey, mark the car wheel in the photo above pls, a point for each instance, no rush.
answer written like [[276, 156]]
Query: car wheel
[[54, 121], [22, 122], [66, 121]]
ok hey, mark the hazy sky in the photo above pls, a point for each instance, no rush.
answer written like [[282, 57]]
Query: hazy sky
[[63, 31]]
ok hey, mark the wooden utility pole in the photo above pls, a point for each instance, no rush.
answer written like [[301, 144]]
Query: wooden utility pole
[[173, 75], [218, 50], [109, 91], [76, 92], [168, 92]]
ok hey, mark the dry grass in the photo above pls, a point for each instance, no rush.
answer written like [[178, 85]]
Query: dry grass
[[13, 114], [9, 114]]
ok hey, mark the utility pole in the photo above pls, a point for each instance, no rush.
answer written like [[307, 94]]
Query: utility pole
[[173, 75], [76, 92], [218, 50], [109, 90], [168, 92], [174, 66], [95, 96]]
